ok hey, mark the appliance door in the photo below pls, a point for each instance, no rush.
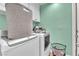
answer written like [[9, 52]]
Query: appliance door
[[0, 51], [47, 41], [44, 44]]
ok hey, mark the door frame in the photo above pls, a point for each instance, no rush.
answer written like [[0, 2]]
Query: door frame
[[74, 29]]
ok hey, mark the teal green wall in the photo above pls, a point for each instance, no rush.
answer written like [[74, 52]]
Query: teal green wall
[[57, 19], [3, 22]]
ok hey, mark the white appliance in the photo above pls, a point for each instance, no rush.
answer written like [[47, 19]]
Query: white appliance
[[36, 45], [0, 45], [28, 46], [44, 44]]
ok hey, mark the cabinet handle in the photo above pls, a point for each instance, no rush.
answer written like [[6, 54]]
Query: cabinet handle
[[35, 19]]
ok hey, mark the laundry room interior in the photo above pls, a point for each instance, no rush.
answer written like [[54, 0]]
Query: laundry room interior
[[38, 29]]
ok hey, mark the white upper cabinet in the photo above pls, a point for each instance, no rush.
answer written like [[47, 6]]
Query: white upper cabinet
[[2, 9], [35, 11], [32, 6], [2, 6]]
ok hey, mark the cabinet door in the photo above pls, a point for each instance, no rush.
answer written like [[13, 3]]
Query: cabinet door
[[2, 6], [35, 11]]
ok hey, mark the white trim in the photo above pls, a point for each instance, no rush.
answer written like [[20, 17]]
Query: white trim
[[73, 29]]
